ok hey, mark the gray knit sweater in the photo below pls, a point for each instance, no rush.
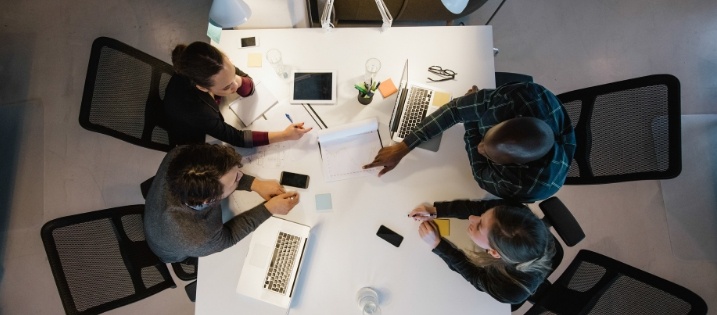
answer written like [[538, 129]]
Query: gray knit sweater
[[175, 232]]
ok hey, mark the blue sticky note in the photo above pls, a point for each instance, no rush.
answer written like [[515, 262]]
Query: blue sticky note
[[323, 202], [214, 32]]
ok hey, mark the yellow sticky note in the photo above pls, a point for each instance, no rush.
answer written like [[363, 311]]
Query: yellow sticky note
[[444, 226], [254, 60], [440, 98]]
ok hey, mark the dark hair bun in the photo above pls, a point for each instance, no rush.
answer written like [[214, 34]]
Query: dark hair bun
[[177, 52]]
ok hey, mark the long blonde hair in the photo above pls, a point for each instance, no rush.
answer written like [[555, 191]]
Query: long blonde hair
[[523, 242]]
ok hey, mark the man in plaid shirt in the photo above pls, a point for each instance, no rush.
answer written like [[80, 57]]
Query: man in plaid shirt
[[519, 140]]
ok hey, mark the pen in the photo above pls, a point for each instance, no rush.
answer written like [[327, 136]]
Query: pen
[[362, 90], [432, 215], [289, 118]]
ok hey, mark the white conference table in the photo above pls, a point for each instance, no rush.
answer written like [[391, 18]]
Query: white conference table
[[344, 253]]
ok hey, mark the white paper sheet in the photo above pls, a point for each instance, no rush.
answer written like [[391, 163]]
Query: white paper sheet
[[346, 149], [277, 155]]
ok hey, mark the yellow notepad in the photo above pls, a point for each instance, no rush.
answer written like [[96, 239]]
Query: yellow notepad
[[444, 226], [254, 60]]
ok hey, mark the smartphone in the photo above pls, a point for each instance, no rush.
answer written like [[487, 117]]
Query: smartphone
[[294, 180], [249, 42], [389, 236]]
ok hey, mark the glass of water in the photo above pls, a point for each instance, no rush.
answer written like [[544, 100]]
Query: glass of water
[[368, 301], [372, 67], [274, 58]]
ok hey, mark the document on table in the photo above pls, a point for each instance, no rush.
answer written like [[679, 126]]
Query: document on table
[[276, 155], [249, 108], [346, 149]]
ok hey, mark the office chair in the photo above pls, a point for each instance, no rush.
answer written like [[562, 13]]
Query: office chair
[[100, 260], [596, 284], [365, 13], [187, 271], [626, 131], [557, 216], [123, 94]]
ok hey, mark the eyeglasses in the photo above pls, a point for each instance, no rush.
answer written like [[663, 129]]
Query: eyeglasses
[[447, 74]]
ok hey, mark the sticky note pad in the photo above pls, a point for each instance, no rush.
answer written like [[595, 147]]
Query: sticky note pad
[[387, 88], [214, 32], [254, 60], [323, 202], [444, 226]]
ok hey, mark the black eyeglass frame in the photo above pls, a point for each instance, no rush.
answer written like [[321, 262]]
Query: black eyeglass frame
[[447, 74]]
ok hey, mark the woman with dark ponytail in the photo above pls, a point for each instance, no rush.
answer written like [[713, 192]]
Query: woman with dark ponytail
[[517, 247], [204, 75]]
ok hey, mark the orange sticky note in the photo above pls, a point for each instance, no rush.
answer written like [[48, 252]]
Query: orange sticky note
[[387, 88]]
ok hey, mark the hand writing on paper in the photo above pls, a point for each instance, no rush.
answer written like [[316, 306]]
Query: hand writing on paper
[[292, 132], [428, 230], [267, 188], [423, 213], [389, 157], [283, 203]]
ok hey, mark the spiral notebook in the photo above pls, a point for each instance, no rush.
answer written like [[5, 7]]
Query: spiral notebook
[[346, 149]]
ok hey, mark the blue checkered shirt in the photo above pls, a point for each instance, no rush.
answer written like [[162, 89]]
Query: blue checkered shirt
[[484, 109]]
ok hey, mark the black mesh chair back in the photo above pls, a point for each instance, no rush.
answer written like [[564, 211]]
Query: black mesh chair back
[[101, 261], [404, 12], [557, 216], [124, 92], [627, 130], [596, 284]]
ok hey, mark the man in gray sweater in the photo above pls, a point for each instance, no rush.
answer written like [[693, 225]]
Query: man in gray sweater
[[183, 215]]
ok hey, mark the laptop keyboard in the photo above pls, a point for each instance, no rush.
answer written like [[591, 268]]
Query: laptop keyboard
[[416, 107], [277, 279]]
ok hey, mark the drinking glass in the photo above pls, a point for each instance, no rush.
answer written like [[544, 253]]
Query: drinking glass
[[368, 301], [274, 58], [372, 67]]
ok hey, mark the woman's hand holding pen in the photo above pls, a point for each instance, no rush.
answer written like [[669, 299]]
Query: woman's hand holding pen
[[295, 131], [292, 132], [423, 213], [428, 230]]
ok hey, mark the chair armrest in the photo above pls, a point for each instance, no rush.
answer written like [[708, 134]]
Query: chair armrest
[[559, 217]]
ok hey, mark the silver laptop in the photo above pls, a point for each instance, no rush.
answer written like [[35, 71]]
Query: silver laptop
[[413, 103], [272, 266]]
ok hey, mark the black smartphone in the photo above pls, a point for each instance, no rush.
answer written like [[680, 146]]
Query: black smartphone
[[294, 180], [390, 236], [249, 42]]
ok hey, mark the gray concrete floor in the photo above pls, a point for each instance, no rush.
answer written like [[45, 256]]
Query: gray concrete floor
[[51, 167]]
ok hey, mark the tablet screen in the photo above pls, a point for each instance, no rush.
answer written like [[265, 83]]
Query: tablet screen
[[312, 86]]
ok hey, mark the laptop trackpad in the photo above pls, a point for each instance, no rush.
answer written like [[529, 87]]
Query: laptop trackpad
[[262, 256]]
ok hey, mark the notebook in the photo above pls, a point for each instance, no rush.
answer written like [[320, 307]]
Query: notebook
[[413, 103], [250, 108], [273, 264]]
